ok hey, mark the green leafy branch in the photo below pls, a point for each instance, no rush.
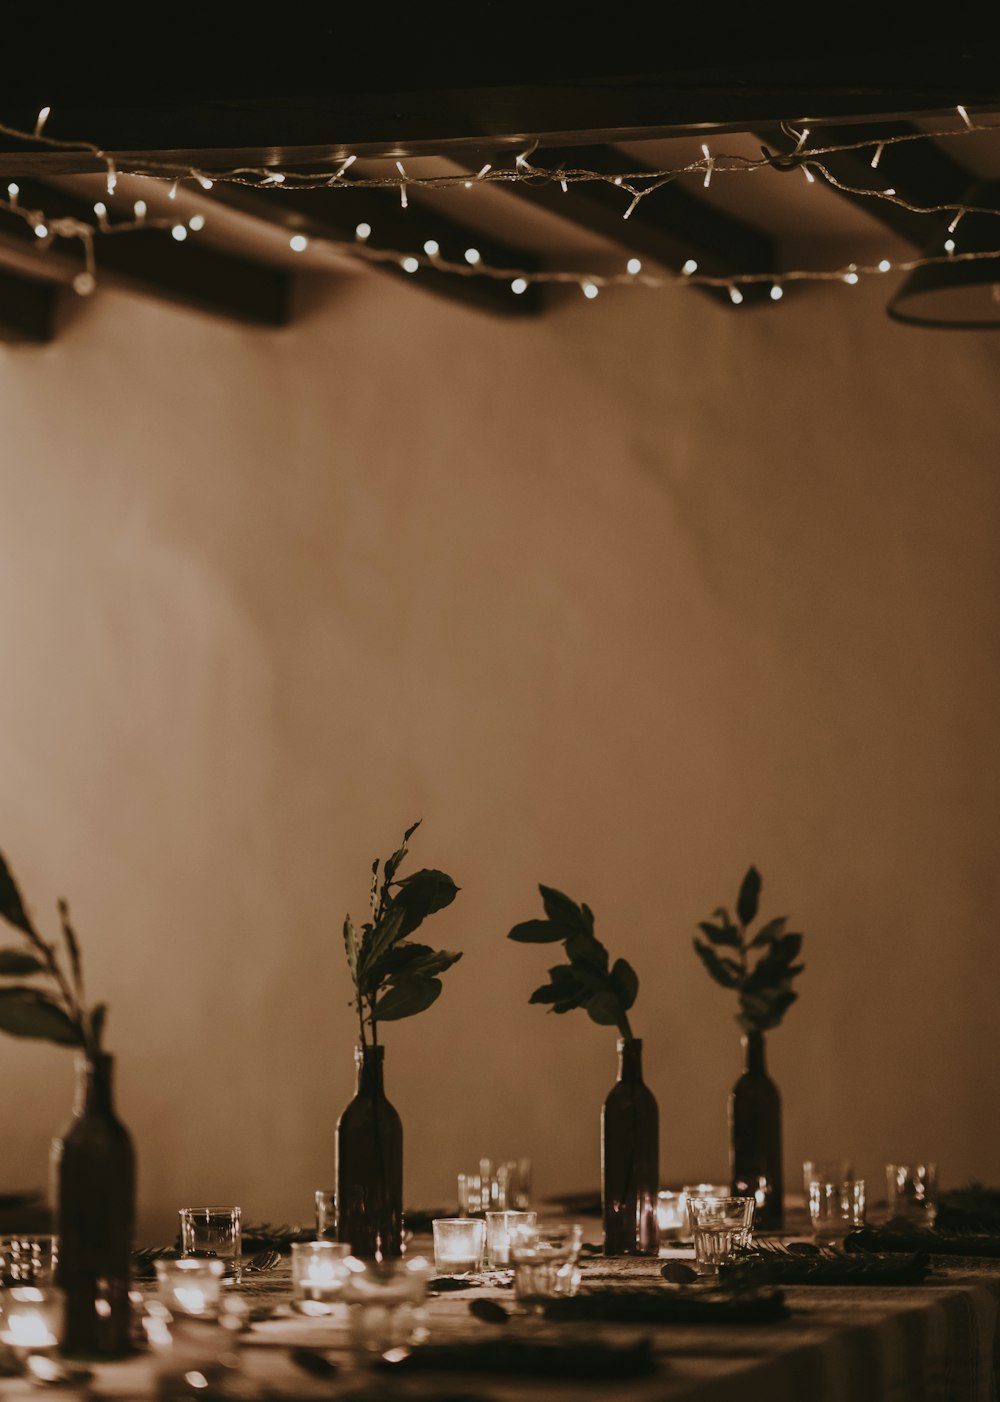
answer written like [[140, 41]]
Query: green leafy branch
[[586, 981], [765, 989], [394, 977], [56, 1012]]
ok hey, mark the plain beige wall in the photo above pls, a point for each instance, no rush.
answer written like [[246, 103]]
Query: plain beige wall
[[621, 601]]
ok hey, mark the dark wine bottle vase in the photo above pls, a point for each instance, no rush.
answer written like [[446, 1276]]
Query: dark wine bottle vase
[[630, 1159], [93, 1197], [370, 1166], [755, 1137]]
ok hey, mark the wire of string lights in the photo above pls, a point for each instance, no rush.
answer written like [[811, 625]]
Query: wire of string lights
[[811, 159]]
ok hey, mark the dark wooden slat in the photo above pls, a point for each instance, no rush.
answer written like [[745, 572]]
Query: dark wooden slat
[[335, 214], [919, 171], [151, 261], [28, 309], [668, 226]]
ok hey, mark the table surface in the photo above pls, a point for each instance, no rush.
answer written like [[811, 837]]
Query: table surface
[[934, 1342]]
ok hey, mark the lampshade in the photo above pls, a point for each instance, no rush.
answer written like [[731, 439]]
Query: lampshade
[[956, 294]]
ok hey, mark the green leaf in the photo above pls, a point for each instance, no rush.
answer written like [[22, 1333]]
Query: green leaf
[[606, 1009], [786, 948], [588, 918], [405, 997], [586, 949], [626, 981], [769, 932], [562, 910], [536, 932], [351, 948], [16, 961], [420, 895], [722, 970], [720, 934], [379, 940], [547, 993], [393, 863], [749, 897], [24, 1012], [434, 962], [11, 906]]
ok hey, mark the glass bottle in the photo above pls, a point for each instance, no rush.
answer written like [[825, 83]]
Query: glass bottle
[[630, 1159], [755, 1137], [93, 1195], [370, 1166]]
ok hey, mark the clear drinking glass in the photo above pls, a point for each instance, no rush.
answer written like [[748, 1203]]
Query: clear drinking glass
[[459, 1244], [671, 1215], [836, 1207], [216, 1232], [386, 1300], [825, 1171], [498, 1228], [190, 1285], [28, 1260], [720, 1228], [911, 1192], [544, 1257], [326, 1214]]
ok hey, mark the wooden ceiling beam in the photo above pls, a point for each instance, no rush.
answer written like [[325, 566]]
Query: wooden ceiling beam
[[335, 214], [28, 309], [669, 226], [189, 273]]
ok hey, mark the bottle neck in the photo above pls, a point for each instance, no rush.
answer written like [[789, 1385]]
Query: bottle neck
[[369, 1063], [630, 1059], [754, 1062], [94, 1085]]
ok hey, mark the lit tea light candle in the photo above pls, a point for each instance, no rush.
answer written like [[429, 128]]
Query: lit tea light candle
[[459, 1243], [498, 1229], [31, 1318], [192, 1285], [671, 1215], [319, 1272]]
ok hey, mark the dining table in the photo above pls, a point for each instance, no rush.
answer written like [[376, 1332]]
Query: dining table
[[936, 1340]]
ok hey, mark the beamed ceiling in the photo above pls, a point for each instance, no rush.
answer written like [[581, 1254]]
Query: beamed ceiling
[[447, 96]]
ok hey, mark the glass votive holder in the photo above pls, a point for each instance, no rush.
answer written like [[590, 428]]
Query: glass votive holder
[[826, 1171], [702, 1190], [28, 1260], [31, 1318], [671, 1215], [326, 1214], [544, 1257], [319, 1273], [192, 1285], [214, 1232], [459, 1244], [720, 1227], [498, 1228], [836, 1207], [385, 1302], [911, 1192]]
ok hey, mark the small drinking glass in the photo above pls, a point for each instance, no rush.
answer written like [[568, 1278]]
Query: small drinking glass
[[498, 1228], [671, 1215], [386, 1300], [459, 1244], [31, 1318], [326, 1214], [836, 1207], [28, 1260], [544, 1257], [214, 1232], [911, 1192], [720, 1228]]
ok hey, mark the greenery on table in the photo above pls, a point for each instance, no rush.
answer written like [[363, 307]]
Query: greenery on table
[[52, 1007], [587, 980], [764, 983], [393, 976]]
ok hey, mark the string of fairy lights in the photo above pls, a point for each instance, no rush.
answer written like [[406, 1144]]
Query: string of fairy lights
[[811, 158]]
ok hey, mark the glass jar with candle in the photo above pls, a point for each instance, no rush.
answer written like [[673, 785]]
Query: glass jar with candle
[[319, 1272], [192, 1285], [31, 1318]]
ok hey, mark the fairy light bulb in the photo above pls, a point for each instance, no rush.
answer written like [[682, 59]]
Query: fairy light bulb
[[691, 266], [473, 256], [41, 230], [139, 209], [196, 223], [851, 277], [179, 232], [735, 296], [204, 182], [101, 210], [949, 245], [12, 192], [363, 232], [634, 266], [777, 293], [410, 265], [589, 290], [884, 266], [298, 243], [41, 119], [432, 248], [518, 286]]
